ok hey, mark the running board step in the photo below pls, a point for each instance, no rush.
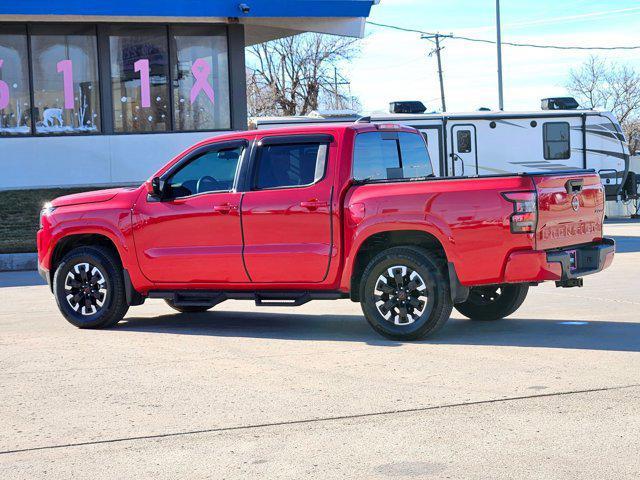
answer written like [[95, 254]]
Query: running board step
[[197, 298], [279, 300]]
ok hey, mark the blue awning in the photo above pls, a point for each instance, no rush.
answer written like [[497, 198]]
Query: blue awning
[[189, 8]]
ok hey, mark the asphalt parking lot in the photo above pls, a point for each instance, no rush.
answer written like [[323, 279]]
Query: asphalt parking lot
[[246, 392]]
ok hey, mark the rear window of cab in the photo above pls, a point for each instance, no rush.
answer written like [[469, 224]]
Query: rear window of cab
[[390, 156]]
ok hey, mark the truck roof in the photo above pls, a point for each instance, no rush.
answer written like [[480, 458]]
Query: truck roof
[[306, 129]]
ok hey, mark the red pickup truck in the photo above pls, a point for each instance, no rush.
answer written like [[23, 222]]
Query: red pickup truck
[[285, 216]]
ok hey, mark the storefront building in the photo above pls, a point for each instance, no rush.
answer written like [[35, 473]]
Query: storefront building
[[103, 93]]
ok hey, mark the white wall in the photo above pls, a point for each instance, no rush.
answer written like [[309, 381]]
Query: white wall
[[88, 160]]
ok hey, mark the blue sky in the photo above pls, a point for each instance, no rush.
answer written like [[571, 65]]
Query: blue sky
[[395, 66]]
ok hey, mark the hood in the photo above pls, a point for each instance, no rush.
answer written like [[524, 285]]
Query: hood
[[95, 196]]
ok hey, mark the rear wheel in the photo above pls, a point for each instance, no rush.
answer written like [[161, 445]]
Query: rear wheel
[[89, 288], [188, 308], [493, 302], [404, 293]]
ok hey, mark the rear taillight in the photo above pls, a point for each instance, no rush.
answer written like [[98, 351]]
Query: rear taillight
[[600, 202], [525, 211]]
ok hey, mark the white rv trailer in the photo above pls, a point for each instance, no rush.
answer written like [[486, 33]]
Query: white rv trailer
[[499, 142]]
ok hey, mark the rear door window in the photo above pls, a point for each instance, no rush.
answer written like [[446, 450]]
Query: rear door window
[[390, 155], [290, 165]]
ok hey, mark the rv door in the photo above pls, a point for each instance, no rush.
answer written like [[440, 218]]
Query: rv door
[[463, 159]]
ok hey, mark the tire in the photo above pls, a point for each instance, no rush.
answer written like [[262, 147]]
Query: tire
[[419, 308], [188, 308], [93, 275], [493, 302]]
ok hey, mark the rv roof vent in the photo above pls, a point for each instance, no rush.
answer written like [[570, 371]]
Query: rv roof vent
[[407, 107], [559, 103]]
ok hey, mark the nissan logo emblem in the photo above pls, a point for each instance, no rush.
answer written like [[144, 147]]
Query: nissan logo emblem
[[575, 203]]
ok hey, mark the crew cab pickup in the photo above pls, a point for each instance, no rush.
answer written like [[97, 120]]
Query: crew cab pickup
[[289, 215]]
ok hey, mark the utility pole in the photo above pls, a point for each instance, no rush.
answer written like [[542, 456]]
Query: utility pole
[[499, 45], [339, 80], [335, 88], [435, 38]]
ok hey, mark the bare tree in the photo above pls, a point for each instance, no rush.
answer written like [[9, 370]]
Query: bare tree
[[613, 87], [296, 75]]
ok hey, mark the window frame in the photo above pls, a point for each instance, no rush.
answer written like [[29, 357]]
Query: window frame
[[22, 29], [197, 30], [61, 29], [545, 140], [197, 153], [319, 140], [102, 31]]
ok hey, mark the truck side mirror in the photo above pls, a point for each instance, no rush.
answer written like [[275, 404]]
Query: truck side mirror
[[154, 187]]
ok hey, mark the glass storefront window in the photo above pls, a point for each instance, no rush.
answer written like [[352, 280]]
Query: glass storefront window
[[200, 76], [65, 83], [139, 79], [15, 103], [163, 78]]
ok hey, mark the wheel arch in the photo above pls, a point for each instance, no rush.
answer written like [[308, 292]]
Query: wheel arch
[[67, 243], [383, 240]]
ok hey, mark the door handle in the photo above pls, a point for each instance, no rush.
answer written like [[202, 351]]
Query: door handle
[[574, 185], [224, 208], [313, 204], [457, 158]]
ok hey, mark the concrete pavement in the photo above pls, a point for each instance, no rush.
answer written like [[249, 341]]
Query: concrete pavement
[[313, 392]]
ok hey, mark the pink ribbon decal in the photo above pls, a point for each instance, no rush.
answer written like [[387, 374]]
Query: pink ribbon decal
[[201, 70], [4, 91], [66, 68]]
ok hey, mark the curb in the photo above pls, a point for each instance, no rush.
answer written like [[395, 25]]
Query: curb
[[10, 262]]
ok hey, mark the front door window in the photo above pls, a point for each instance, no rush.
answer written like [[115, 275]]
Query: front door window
[[213, 171]]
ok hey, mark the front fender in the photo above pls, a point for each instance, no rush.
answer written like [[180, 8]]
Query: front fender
[[115, 226]]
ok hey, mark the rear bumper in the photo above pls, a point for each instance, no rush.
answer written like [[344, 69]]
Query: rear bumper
[[556, 265], [590, 258]]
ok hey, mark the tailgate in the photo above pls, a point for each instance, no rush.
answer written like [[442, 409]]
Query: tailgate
[[570, 209]]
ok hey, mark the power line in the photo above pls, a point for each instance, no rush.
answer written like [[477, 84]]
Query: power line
[[513, 44]]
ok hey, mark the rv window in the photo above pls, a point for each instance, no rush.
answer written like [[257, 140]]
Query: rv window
[[464, 141], [555, 137], [380, 157]]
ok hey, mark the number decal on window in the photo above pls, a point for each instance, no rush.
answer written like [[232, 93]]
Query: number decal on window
[[4, 91], [142, 66], [66, 68]]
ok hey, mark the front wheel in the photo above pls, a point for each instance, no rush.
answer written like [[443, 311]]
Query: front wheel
[[89, 288], [404, 293], [493, 302]]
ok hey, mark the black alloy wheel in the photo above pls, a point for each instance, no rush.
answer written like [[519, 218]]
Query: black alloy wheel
[[89, 287], [493, 302], [405, 294]]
